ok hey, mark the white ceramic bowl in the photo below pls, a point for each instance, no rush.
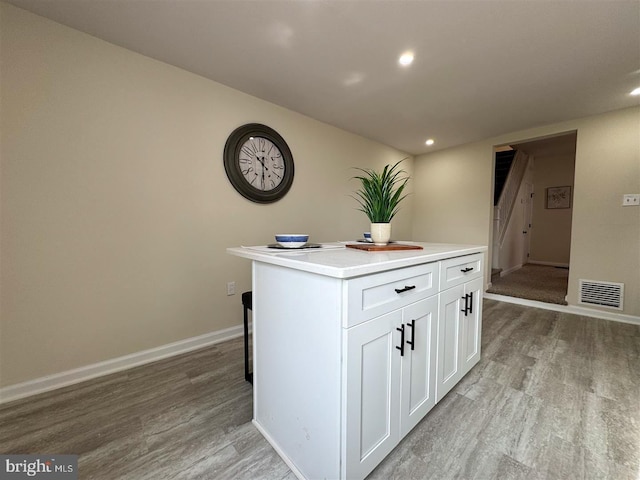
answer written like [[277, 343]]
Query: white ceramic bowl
[[292, 240]]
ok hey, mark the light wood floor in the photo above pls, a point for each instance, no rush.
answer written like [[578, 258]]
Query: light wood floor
[[554, 396]]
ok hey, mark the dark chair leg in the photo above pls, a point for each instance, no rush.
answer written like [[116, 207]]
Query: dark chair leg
[[247, 304]]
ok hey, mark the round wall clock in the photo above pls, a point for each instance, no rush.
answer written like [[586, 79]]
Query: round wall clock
[[258, 163]]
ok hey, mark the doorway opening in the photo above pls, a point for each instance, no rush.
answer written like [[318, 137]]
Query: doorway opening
[[533, 209]]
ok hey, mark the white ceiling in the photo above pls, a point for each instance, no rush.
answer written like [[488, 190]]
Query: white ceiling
[[482, 68]]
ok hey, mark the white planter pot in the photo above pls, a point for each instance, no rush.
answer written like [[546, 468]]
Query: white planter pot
[[380, 233]]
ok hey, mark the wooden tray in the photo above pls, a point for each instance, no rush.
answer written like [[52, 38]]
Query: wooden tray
[[382, 248]]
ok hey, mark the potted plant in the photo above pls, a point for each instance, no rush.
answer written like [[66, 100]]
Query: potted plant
[[379, 197]]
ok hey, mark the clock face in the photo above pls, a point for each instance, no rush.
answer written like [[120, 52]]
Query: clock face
[[261, 163], [258, 163]]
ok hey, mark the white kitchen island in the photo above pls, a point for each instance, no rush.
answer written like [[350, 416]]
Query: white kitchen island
[[351, 349]]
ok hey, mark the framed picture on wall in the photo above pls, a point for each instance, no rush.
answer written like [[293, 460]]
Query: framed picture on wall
[[559, 197]]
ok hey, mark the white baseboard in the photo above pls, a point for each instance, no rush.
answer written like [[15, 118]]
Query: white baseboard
[[77, 375], [279, 450], [550, 264], [586, 312]]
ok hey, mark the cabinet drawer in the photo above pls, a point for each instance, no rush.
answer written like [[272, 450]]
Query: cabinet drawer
[[458, 270], [373, 295]]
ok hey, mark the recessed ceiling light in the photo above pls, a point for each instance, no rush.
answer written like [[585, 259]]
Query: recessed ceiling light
[[406, 58], [430, 142], [636, 91]]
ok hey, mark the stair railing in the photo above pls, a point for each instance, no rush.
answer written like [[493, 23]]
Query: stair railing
[[508, 196]]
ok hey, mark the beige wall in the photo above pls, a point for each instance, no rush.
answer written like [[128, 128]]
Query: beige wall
[[454, 184], [605, 238], [453, 195], [116, 211], [551, 233]]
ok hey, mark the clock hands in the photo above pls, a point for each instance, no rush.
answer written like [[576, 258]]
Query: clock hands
[[262, 163], [257, 151], [264, 167]]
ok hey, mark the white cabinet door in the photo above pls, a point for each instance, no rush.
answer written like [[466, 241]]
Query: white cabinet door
[[459, 330], [418, 363], [471, 324], [372, 384], [449, 340]]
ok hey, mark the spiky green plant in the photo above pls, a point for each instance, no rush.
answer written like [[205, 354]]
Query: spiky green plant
[[381, 192]]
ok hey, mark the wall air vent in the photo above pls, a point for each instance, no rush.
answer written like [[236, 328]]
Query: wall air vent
[[603, 294]]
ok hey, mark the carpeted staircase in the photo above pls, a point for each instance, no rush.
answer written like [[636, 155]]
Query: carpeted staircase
[[503, 165]]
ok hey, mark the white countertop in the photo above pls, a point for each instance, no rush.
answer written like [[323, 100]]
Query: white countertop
[[335, 260]]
